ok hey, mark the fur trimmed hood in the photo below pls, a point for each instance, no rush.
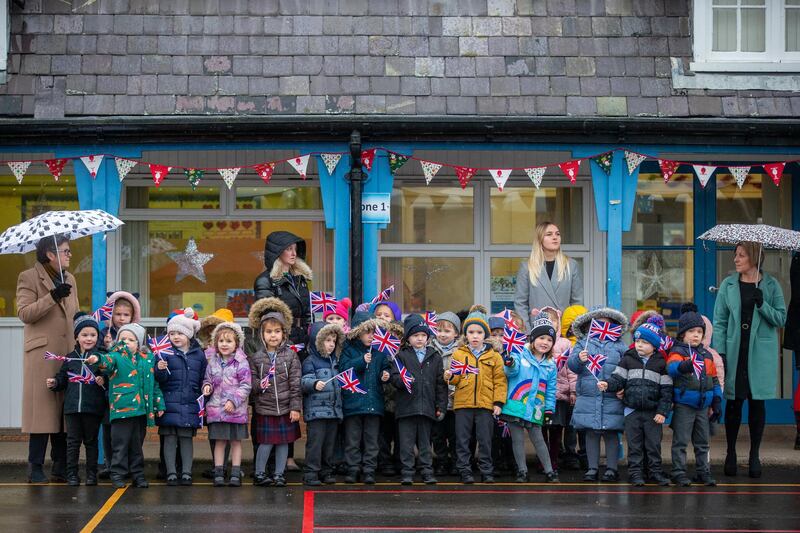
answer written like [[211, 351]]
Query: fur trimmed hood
[[368, 325], [581, 324], [233, 326], [269, 305], [132, 298], [320, 333], [300, 268]]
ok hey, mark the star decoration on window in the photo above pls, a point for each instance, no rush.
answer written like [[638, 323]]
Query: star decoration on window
[[190, 262]]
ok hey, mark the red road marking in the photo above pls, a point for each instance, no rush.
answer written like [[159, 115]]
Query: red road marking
[[308, 512], [566, 491], [611, 529]]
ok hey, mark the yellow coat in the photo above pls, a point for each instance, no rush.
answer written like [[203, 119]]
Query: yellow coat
[[485, 389]]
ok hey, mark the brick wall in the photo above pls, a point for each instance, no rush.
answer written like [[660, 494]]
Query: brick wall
[[397, 57]]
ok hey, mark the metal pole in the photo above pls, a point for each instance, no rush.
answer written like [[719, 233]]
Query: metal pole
[[356, 178]]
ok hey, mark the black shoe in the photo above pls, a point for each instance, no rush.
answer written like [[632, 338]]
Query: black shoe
[[407, 480], [754, 468], [707, 480], [661, 479], [351, 477], [522, 477], [105, 473], [428, 479], [441, 470], [117, 481], [218, 477], [329, 479], [73, 480], [262, 480], [487, 478], [312, 481], [570, 463], [59, 473], [91, 479], [551, 477], [590, 475], [172, 480], [141, 483], [467, 478], [209, 473], [236, 477], [186, 480], [730, 468], [279, 480], [636, 480], [682, 481], [36, 474], [609, 476], [369, 478]]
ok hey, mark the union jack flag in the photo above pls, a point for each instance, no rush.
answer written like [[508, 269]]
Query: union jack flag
[[50, 356], [407, 378], [430, 319], [595, 364], [86, 376], [506, 432], [270, 374], [458, 368], [296, 348], [666, 343], [698, 364], [506, 316], [385, 294], [322, 301], [561, 359], [349, 382], [160, 346], [513, 340], [201, 408], [104, 312], [602, 330], [385, 342]]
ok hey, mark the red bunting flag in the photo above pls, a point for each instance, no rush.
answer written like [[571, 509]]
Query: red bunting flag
[[464, 175], [668, 168], [56, 166], [570, 169], [367, 158], [775, 171], [264, 171], [159, 172]]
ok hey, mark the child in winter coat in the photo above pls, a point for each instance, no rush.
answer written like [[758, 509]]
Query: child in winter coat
[[340, 315], [642, 374], [388, 458], [276, 394], [84, 401], [322, 402], [599, 413], [532, 396], [363, 412], [477, 372], [421, 398], [443, 433], [228, 383], [135, 400], [696, 395]]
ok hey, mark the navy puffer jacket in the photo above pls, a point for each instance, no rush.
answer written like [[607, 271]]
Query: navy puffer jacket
[[327, 403], [181, 386]]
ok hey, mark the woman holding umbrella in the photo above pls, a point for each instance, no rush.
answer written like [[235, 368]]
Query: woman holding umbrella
[[47, 300], [748, 312]]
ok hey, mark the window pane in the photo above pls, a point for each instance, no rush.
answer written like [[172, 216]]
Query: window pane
[[724, 30], [663, 215], [430, 283], [517, 210], [759, 201], [503, 281], [430, 215], [663, 281], [261, 197], [724, 2], [146, 196], [238, 248], [37, 195], [793, 29], [753, 30]]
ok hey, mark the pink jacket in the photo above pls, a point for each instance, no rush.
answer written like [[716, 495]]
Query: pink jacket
[[566, 379], [713, 352]]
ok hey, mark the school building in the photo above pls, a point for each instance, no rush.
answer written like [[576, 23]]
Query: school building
[[503, 85]]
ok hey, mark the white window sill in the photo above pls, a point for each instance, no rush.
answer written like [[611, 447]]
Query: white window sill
[[734, 80], [765, 67]]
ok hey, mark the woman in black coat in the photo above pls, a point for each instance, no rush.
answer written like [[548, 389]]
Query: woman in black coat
[[791, 334]]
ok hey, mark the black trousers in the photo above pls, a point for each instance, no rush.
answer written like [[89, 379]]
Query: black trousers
[[358, 430], [415, 431], [480, 423], [37, 449], [82, 428], [644, 440], [107, 445], [443, 435], [320, 442], [387, 441], [127, 435]]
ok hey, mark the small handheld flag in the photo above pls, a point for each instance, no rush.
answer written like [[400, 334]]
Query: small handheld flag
[[160, 346], [264, 383], [666, 343], [349, 382], [698, 365], [384, 295], [595, 364], [104, 312], [407, 378], [561, 359], [507, 318], [458, 368], [322, 301], [602, 330], [385, 341], [513, 340], [86, 376], [430, 319], [50, 356], [201, 408], [297, 348]]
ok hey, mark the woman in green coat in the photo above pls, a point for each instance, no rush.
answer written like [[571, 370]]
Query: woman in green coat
[[747, 315]]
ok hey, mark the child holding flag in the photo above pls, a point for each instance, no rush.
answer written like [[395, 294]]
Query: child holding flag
[[276, 394], [444, 431], [697, 397], [363, 412], [180, 377], [594, 357], [476, 370], [84, 401], [421, 398]]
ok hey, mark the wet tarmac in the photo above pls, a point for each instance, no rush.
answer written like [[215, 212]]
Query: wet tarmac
[[771, 503]]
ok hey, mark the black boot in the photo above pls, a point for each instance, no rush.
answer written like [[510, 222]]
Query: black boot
[[754, 468], [730, 464], [219, 477], [236, 477], [36, 474], [59, 472]]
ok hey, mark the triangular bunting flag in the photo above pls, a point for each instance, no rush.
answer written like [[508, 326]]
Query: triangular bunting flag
[[300, 163], [159, 172], [775, 171], [430, 169], [194, 175], [604, 162], [265, 171], [367, 158], [668, 168], [464, 175], [396, 161], [229, 175], [330, 160], [633, 160], [124, 166], [500, 176], [536, 174], [739, 174], [56, 166], [703, 173], [19, 168], [570, 169], [92, 163]]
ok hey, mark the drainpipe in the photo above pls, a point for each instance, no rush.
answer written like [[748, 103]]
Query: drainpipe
[[356, 179]]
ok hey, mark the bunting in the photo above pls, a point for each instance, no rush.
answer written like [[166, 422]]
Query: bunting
[[19, 168], [668, 168], [739, 174], [536, 174], [570, 169], [500, 176], [465, 174], [367, 158], [703, 173], [124, 166], [430, 169], [194, 175], [330, 161], [604, 162], [775, 171], [633, 160], [229, 175], [92, 163], [264, 171], [56, 166], [159, 172], [396, 161], [300, 163]]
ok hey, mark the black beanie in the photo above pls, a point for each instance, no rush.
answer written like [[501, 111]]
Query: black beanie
[[689, 319], [82, 320]]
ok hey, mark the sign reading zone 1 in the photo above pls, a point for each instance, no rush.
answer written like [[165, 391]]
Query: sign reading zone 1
[[375, 208]]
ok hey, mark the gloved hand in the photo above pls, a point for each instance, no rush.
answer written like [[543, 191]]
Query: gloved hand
[[685, 366], [758, 297], [508, 361], [716, 410], [548, 418], [61, 291]]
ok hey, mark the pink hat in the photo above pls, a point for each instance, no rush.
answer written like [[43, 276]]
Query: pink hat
[[342, 309]]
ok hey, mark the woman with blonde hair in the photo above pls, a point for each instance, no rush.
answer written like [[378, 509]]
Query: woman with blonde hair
[[548, 278]]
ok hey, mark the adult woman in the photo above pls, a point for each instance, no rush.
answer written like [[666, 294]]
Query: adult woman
[[46, 305], [548, 278], [747, 314], [791, 334]]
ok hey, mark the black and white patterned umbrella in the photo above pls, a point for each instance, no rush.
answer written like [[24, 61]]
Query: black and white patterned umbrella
[[768, 236], [23, 237]]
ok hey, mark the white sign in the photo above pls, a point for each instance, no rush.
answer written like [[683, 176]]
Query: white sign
[[375, 208]]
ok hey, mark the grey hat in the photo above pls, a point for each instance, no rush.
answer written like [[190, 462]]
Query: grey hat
[[451, 317], [137, 330]]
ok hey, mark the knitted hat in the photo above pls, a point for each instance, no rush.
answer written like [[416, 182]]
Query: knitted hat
[[648, 332], [452, 318], [398, 315], [82, 320], [232, 326], [689, 319], [208, 323], [496, 322], [477, 316], [342, 309], [137, 330], [414, 324], [185, 323], [541, 325]]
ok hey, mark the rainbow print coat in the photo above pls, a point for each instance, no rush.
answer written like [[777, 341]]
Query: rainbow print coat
[[531, 387]]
